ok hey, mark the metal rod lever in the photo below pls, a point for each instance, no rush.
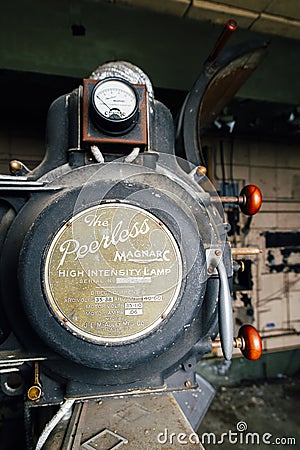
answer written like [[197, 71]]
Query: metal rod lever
[[248, 341], [249, 200], [225, 35], [245, 251]]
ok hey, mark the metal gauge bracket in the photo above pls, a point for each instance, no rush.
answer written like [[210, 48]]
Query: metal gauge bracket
[[137, 136], [213, 257]]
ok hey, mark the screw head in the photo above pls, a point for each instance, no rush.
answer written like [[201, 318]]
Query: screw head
[[188, 383]]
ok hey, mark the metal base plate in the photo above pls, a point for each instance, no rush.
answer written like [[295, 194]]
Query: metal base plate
[[151, 422]]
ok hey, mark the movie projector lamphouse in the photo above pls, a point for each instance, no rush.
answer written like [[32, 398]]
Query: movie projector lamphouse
[[115, 264]]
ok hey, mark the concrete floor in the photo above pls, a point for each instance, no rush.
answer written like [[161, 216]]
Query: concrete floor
[[269, 409]]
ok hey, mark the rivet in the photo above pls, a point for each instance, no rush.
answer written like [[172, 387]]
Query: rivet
[[210, 269]]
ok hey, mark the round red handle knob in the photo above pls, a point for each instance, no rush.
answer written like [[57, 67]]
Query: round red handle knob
[[251, 343], [250, 199]]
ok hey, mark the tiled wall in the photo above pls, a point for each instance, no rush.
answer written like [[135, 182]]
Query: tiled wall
[[275, 168]]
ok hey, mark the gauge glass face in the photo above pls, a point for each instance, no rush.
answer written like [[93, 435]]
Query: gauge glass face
[[115, 99]]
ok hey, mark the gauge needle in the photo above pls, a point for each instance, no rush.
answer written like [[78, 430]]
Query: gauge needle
[[103, 102]]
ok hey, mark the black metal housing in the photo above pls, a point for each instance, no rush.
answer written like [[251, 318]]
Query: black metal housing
[[68, 181]]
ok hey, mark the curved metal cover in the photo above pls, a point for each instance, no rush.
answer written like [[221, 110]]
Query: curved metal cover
[[225, 84], [213, 90]]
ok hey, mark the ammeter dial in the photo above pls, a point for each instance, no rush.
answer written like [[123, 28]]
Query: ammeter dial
[[114, 105]]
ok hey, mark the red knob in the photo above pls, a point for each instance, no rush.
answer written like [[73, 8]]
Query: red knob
[[251, 342], [250, 199]]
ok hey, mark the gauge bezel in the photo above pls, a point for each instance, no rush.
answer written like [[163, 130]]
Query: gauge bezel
[[114, 126]]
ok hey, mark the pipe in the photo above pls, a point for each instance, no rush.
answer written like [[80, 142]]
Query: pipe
[[63, 411]]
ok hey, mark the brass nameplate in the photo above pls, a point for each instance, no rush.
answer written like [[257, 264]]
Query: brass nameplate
[[112, 273]]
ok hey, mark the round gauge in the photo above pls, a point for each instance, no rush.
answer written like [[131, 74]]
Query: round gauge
[[114, 105]]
